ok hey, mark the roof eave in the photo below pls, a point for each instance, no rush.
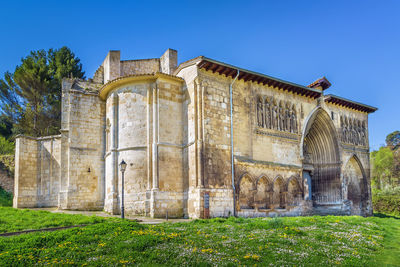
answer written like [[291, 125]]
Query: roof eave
[[350, 103], [258, 77]]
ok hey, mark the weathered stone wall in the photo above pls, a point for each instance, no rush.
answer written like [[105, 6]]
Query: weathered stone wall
[[169, 61], [351, 152], [98, 76], [127, 118], [193, 138], [141, 66], [258, 151], [26, 184], [144, 131], [170, 197], [174, 134], [48, 170], [112, 66], [37, 174], [82, 145]]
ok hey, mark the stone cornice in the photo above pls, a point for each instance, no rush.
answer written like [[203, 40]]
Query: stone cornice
[[38, 138], [151, 77], [242, 159]]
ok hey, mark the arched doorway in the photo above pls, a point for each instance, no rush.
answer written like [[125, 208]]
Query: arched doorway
[[355, 179], [294, 194], [278, 193], [246, 191], [321, 159], [262, 197]]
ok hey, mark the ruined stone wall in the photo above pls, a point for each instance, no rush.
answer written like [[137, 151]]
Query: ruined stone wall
[[37, 173], [98, 76], [26, 186], [112, 66], [169, 61], [82, 144], [48, 170], [141, 66]]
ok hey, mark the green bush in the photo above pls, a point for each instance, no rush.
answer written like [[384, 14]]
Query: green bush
[[6, 146], [7, 151], [7, 164], [5, 198], [387, 201]]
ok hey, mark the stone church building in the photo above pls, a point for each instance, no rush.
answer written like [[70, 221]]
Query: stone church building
[[201, 139]]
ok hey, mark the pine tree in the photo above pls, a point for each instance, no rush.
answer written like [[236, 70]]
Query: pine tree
[[31, 97]]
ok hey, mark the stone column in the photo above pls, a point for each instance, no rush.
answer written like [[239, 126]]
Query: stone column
[[51, 166], [114, 152], [199, 109], [155, 138], [149, 149], [149, 137], [154, 190], [64, 165]]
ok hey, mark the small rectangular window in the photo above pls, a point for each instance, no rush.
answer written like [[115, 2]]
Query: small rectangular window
[[333, 115]]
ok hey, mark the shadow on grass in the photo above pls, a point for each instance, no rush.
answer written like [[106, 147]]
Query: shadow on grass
[[383, 215]]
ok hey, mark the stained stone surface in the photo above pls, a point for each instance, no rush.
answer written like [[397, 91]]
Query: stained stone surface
[[293, 154]]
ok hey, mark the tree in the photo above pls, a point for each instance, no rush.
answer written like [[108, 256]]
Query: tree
[[393, 140], [5, 126], [31, 97], [382, 166]]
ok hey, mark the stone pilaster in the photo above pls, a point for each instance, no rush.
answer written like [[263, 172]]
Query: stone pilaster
[[114, 154]]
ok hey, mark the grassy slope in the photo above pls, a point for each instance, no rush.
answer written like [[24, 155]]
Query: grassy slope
[[390, 256], [12, 220], [303, 241]]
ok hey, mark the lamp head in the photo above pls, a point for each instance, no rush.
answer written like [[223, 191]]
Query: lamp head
[[122, 166]]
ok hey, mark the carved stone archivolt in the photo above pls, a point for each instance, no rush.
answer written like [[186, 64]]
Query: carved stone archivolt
[[276, 115], [321, 152], [266, 193], [353, 131]]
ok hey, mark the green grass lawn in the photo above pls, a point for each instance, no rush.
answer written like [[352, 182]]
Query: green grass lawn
[[12, 220], [297, 241]]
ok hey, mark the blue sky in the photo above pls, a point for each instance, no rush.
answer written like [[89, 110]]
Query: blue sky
[[355, 44]]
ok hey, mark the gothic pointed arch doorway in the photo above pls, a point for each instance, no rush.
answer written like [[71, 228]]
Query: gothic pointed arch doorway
[[357, 186], [322, 159]]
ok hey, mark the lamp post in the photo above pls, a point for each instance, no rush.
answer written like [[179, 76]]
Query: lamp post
[[122, 166]]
